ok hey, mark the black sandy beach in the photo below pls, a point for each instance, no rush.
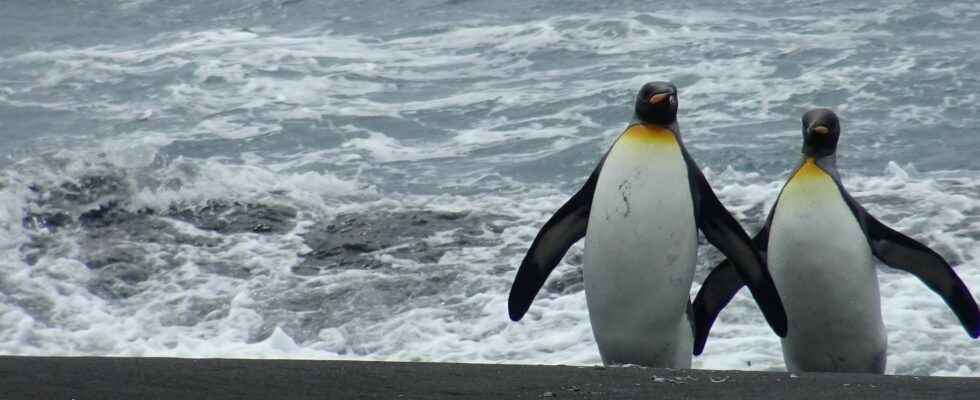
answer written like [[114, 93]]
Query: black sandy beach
[[86, 378]]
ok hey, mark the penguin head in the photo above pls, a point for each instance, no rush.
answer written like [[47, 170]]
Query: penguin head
[[657, 103], [821, 129]]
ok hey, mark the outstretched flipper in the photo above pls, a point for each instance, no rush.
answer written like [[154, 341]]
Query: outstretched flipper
[[725, 233], [718, 289], [904, 253], [566, 227]]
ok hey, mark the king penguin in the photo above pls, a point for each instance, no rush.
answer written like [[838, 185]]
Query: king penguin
[[640, 211], [820, 244]]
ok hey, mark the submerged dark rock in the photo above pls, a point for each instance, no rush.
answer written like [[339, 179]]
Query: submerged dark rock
[[48, 220], [224, 216], [130, 251], [114, 238], [108, 214], [85, 190], [88, 199], [113, 255], [566, 282], [351, 241], [119, 280]]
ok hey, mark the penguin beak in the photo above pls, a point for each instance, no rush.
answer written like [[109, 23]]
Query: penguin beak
[[657, 98], [820, 130]]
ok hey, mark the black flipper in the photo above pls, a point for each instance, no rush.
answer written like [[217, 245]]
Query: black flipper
[[566, 227], [904, 253], [725, 233], [718, 289]]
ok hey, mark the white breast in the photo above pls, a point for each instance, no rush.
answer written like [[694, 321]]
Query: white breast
[[640, 252], [822, 266]]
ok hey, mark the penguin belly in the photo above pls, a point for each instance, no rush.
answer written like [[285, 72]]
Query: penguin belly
[[640, 253], [822, 266]]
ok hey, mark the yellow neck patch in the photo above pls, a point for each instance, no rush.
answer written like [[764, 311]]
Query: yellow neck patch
[[650, 134], [809, 170], [809, 185]]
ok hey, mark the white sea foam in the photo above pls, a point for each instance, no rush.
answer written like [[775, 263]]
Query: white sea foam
[[924, 336]]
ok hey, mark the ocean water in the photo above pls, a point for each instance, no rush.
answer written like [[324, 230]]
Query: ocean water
[[359, 180]]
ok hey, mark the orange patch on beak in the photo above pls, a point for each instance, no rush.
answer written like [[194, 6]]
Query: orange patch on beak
[[658, 98], [821, 130]]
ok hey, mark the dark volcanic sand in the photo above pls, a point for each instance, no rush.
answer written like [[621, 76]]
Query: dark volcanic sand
[[88, 378]]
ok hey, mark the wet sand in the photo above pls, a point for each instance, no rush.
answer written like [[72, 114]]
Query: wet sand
[[87, 378]]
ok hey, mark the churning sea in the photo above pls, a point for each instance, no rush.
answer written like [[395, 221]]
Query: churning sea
[[359, 180]]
